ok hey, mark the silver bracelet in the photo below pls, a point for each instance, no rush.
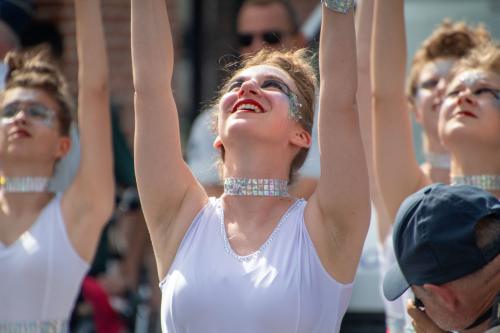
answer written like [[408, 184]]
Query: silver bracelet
[[341, 6]]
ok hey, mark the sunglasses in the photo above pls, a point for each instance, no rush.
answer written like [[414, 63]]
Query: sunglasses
[[269, 37], [37, 112], [417, 302]]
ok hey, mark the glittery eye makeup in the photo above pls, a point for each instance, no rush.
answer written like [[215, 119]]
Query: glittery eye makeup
[[272, 83], [470, 79], [295, 105], [236, 84], [478, 85], [428, 84], [433, 73], [488, 91], [37, 112]]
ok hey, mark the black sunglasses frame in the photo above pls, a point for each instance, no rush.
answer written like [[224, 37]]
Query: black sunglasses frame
[[269, 37]]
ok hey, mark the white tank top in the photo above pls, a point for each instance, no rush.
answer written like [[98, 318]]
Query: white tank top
[[282, 287], [40, 275]]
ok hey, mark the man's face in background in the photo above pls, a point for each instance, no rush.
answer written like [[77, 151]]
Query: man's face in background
[[267, 26]]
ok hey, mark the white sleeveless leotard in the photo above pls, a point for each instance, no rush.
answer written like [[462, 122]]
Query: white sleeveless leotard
[[282, 287], [40, 276]]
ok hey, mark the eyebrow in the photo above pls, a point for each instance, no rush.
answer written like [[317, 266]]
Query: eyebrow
[[266, 77], [479, 82]]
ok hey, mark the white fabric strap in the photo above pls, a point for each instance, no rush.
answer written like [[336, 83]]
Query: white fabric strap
[[52, 326]]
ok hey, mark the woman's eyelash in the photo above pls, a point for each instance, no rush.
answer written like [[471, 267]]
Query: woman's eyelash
[[429, 84], [235, 84], [494, 92], [277, 84], [266, 84]]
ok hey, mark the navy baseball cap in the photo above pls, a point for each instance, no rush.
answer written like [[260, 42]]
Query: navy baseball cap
[[434, 236]]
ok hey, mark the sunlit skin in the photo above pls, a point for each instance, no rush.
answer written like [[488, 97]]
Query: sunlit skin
[[431, 87], [255, 111], [28, 139], [470, 112]]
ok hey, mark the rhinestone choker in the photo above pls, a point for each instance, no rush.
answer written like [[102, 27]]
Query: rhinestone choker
[[24, 184], [439, 161], [256, 187], [485, 182]]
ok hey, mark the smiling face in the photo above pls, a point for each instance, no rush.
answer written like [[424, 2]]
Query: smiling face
[[260, 101], [471, 109], [29, 126], [269, 101]]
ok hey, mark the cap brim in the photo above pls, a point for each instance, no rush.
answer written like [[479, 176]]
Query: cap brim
[[395, 283]]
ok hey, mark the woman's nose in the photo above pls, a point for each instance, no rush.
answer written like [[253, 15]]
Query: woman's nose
[[248, 87], [466, 97], [20, 117], [440, 87]]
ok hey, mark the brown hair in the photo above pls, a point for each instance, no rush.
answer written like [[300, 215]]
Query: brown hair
[[485, 57], [449, 40], [297, 65], [34, 70]]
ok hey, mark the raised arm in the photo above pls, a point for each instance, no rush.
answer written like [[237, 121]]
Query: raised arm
[[364, 25], [396, 166], [168, 191], [342, 195], [88, 203]]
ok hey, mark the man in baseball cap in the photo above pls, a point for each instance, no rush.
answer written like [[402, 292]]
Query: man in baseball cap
[[447, 244]]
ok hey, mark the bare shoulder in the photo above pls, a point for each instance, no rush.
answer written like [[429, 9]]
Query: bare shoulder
[[338, 248], [84, 222], [168, 230]]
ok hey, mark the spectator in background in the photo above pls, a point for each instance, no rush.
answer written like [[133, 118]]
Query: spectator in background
[[447, 245], [271, 24]]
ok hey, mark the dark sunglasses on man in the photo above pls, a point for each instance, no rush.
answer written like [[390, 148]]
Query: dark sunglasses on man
[[269, 37]]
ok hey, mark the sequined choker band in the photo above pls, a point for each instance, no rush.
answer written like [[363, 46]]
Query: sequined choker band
[[24, 184], [256, 187], [439, 161], [485, 182]]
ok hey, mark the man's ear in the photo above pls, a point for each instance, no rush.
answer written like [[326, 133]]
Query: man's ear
[[301, 138], [444, 294], [63, 147], [217, 143]]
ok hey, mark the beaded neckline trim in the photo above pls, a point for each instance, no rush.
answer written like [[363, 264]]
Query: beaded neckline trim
[[256, 187], [485, 182], [24, 184], [250, 257]]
